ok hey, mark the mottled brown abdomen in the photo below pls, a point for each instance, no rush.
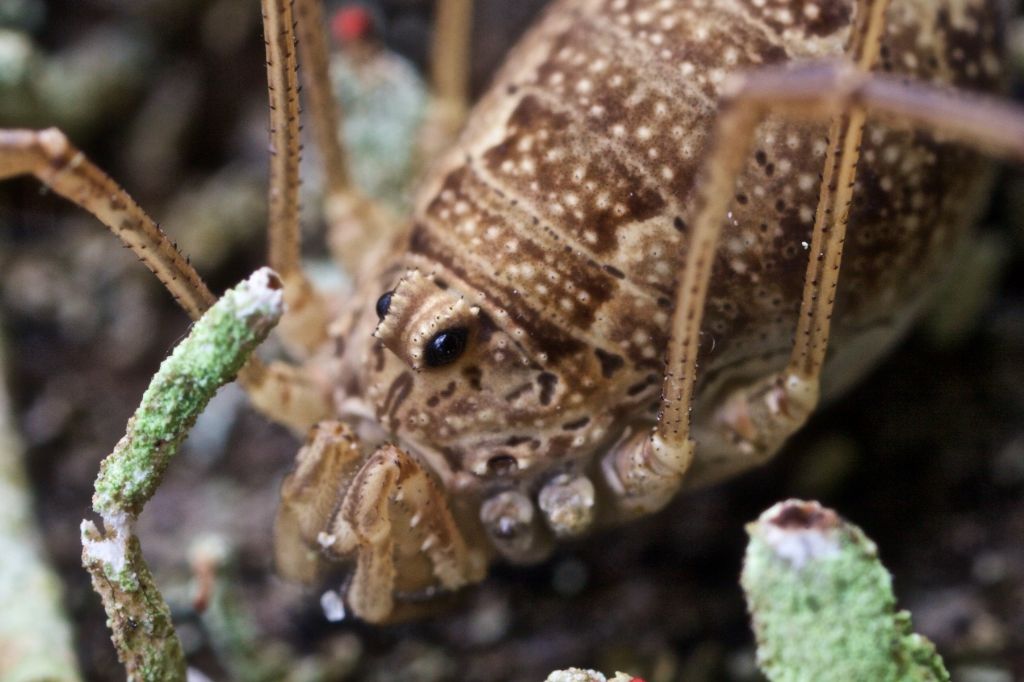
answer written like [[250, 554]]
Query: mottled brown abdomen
[[565, 209]]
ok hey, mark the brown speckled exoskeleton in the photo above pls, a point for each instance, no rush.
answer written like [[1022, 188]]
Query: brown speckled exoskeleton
[[623, 279]]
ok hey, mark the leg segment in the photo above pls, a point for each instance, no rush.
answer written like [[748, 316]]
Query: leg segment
[[387, 513], [325, 112], [762, 416], [304, 326], [449, 69], [352, 218], [646, 469], [49, 156], [287, 394], [310, 497], [449, 73]]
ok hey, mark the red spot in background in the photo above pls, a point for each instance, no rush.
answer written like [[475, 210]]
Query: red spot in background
[[351, 23]]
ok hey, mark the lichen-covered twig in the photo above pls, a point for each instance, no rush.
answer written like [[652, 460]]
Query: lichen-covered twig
[[580, 675], [211, 355], [822, 603], [35, 638]]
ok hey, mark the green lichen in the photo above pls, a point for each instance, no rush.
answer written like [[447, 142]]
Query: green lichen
[[209, 357], [385, 102], [212, 354], [822, 604], [137, 615]]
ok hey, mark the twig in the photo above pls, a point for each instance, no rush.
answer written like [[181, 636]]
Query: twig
[[580, 675], [211, 355], [822, 603], [35, 638]]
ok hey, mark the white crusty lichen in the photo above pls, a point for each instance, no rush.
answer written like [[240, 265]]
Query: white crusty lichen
[[580, 675], [210, 356], [35, 637]]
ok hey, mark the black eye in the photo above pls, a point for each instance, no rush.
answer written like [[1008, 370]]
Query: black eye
[[445, 347], [383, 303]]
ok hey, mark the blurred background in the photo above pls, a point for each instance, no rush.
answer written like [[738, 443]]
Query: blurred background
[[168, 96]]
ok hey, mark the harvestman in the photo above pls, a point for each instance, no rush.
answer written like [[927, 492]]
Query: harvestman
[[348, 503]]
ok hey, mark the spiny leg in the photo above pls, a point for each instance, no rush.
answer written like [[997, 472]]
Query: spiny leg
[[646, 469], [324, 110], [49, 156], [763, 415], [304, 327], [53, 160]]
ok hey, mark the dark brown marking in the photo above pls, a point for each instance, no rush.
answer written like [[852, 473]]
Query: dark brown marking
[[518, 391], [559, 446], [378, 356], [614, 272], [397, 393], [641, 386], [473, 375], [610, 363], [485, 327], [547, 382], [803, 516], [576, 424]]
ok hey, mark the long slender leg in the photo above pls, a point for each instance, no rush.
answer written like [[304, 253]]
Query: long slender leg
[[324, 110], [763, 415], [449, 69], [305, 324], [646, 469], [49, 156], [352, 217], [287, 394]]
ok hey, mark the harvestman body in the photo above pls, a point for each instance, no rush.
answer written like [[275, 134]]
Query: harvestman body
[[626, 229]]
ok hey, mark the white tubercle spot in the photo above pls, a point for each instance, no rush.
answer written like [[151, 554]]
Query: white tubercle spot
[[333, 606]]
